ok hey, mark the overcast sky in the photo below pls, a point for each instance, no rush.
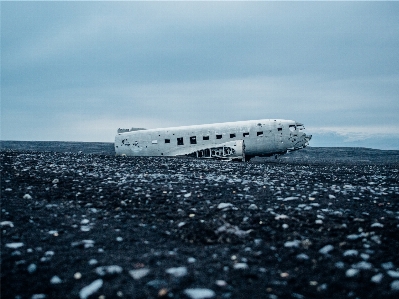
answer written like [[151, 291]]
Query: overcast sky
[[78, 71]]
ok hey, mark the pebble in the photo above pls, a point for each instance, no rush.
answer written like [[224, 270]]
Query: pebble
[[14, 245], [104, 270], [363, 266], [191, 260], [377, 225], [199, 293], [393, 274], [139, 273], [9, 223], [377, 278], [224, 205], [294, 243], [253, 207], [177, 272], [351, 252], [302, 256], [351, 272], [93, 262], [240, 266], [90, 289], [326, 249], [55, 280], [387, 266], [395, 285], [27, 196], [32, 268]]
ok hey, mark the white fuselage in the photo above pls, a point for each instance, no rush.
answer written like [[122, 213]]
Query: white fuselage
[[263, 137]]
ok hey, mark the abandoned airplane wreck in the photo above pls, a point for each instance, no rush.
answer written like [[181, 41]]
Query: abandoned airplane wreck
[[239, 141]]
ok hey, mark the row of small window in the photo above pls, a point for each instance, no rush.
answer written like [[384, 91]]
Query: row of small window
[[193, 139]]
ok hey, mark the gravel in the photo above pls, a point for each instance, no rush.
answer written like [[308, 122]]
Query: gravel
[[91, 225]]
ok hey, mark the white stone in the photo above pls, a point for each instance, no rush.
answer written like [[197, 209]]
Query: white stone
[[253, 207], [139, 273], [395, 285], [365, 256], [326, 249], [351, 272], [393, 274], [351, 252], [191, 260], [240, 266], [27, 196], [224, 205], [377, 278], [55, 280], [177, 271], [290, 198], [294, 243], [113, 269], [302, 256], [377, 225], [90, 289], [221, 283], [387, 266], [9, 223], [14, 245], [32, 268], [199, 293], [93, 262], [363, 266]]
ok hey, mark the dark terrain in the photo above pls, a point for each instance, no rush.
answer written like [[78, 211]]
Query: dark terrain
[[77, 222]]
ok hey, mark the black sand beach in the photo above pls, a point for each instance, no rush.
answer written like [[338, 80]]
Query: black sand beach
[[77, 222]]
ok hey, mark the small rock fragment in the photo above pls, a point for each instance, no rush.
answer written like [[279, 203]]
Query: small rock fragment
[[377, 278], [294, 243], [393, 274], [32, 268], [224, 205], [139, 273], [199, 293], [351, 272], [351, 252], [177, 272], [90, 289], [253, 207], [240, 266], [9, 223], [395, 285], [55, 280], [326, 249], [113, 269], [14, 245]]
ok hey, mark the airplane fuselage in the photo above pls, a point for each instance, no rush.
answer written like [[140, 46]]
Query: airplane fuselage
[[263, 137]]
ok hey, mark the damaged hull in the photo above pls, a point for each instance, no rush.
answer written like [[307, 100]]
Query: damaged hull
[[229, 141]]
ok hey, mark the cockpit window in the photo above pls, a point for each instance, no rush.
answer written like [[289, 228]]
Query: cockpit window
[[300, 127]]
